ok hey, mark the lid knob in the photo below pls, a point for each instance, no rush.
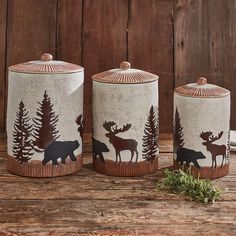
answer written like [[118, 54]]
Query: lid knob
[[125, 65], [46, 57], [201, 81]]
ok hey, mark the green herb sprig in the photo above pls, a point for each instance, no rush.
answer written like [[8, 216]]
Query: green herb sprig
[[179, 182]]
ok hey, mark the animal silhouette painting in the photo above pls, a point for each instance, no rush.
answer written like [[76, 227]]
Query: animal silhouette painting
[[188, 156], [58, 149], [80, 122], [214, 149], [98, 149], [119, 143]]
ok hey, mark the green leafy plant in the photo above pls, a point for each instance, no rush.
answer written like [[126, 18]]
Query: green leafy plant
[[179, 182]]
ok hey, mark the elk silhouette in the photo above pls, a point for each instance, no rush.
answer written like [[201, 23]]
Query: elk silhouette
[[214, 149], [119, 143]]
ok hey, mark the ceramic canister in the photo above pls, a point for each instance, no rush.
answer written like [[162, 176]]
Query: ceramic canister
[[202, 129], [125, 122], [44, 118]]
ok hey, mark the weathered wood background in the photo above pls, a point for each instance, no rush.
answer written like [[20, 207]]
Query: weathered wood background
[[177, 39]]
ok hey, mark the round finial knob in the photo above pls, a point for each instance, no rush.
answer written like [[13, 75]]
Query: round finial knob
[[46, 57], [201, 81], [125, 65]]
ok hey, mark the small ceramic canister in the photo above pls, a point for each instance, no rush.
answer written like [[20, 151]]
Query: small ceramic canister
[[202, 128], [125, 122], [44, 118]]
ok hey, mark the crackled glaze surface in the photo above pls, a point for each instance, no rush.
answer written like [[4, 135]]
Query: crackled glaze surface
[[197, 116]]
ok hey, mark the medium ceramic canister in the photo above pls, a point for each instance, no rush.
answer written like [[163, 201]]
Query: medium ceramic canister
[[44, 118], [202, 129], [125, 122]]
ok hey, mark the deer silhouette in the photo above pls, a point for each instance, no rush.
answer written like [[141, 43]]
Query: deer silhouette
[[214, 149], [119, 143]]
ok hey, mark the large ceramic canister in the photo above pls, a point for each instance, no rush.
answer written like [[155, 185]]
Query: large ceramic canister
[[202, 129], [125, 122], [44, 118]]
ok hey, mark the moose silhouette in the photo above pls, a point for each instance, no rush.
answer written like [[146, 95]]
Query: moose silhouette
[[119, 143], [214, 149], [80, 122]]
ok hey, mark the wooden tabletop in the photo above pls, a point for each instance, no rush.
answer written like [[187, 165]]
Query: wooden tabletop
[[89, 203]]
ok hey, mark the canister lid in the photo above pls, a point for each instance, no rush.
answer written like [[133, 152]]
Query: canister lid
[[125, 75], [46, 65], [202, 89]]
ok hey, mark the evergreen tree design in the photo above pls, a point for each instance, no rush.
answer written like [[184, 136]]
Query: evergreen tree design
[[178, 132], [22, 144], [150, 138], [44, 126]]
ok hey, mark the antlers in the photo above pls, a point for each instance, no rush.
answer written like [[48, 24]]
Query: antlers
[[79, 121], [108, 126], [212, 138], [209, 137]]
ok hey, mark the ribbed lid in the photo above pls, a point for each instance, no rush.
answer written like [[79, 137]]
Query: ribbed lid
[[46, 65], [125, 75], [202, 89]]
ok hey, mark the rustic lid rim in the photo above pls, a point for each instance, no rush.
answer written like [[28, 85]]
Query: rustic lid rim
[[103, 77], [46, 65], [225, 92]]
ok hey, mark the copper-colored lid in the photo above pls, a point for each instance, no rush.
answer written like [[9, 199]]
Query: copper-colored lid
[[202, 89], [125, 75], [46, 65]]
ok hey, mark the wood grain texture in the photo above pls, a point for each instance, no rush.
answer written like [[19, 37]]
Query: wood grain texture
[[24, 42], [69, 31], [150, 48], [89, 203], [3, 27], [104, 42], [31, 30], [205, 44]]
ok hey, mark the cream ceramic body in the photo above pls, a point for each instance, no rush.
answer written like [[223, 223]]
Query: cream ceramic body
[[202, 114], [66, 94], [123, 103]]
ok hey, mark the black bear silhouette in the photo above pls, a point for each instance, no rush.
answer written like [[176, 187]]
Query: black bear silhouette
[[98, 149], [188, 155], [58, 149]]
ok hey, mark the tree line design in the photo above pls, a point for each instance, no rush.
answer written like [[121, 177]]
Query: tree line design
[[151, 136], [29, 138], [44, 125], [22, 148], [178, 132]]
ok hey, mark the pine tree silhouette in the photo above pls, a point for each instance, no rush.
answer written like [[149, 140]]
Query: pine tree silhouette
[[178, 132], [150, 138], [44, 127], [22, 144]]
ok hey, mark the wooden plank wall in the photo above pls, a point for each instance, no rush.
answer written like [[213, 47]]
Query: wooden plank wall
[[177, 39], [205, 44]]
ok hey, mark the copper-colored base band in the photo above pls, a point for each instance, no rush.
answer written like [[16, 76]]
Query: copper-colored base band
[[123, 169], [37, 169], [205, 172]]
